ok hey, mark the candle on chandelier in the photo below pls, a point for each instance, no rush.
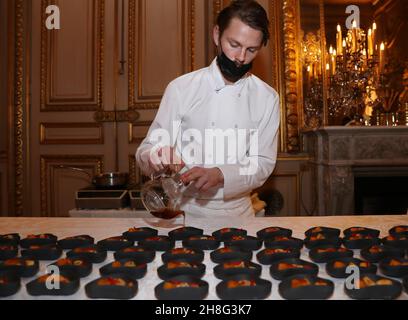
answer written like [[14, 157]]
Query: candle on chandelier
[[382, 57], [354, 37], [370, 43], [339, 41], [374, 33]]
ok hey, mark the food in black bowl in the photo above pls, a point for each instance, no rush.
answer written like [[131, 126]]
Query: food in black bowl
[[23, 267], [306, 287], [77, 267], [271, 232], [361, 230], [326, 253], [112, 287], [244, 287], [272, 255], [226, 254], [203, 242], [38, 240], [372, 286], [399, 231], [360, 241], [127, 267], [394, 267], [12, 239], [137, 253], [377, 253], [182, 288], [184, 233], [138, 234], [185, 254], [244, 242], [397, 241], [9, 283], [157, 243], [331, 232], [225, 234], [290, 267], [284, 241], [45, 252], [321, 239], [93, 253], [115, 243], [228, 269], [70, 243], [337, 268], [8, 251], [181, 268], [53, 285]]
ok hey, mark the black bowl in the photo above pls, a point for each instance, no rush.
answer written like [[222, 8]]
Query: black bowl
[[225, 234], [23, 267], [10, 239], [137, 253], [284, 241], [399, 230], [173, 269], [394, 267], [92, 253], [182, 288], [157, 243], [230, 269], [290, 267], [326, 253], [322, 239], [45, 252], [390, 289], [138, 234], [244, 287], [244, 242], [405, 283], [337, 268], [184, 254], [70, 243], [184, 233], [397, 241], [306, 287], [115, 243], [377, 253], [77, 267], [201, 242], [271, 255], [61, 285], [226, 254], [331, 232], [361, 230], [360, 241], [8, 251], [115, 286], [271, 232], [38, 240], [9, 283], [127, 267]]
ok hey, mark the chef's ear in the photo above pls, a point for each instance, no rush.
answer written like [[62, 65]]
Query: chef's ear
[[216, 35]]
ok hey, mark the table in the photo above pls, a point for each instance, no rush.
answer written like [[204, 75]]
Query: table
[[101, 228]]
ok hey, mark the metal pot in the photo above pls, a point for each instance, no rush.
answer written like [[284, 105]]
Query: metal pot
[[105, 179]]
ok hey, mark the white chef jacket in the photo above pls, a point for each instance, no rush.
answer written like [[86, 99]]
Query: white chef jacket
[[198, 101]]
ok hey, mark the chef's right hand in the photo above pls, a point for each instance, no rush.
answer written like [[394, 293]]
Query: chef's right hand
[[165, 158]]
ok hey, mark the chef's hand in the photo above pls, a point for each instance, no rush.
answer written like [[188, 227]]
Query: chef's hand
[[204, 178], [165, 158]]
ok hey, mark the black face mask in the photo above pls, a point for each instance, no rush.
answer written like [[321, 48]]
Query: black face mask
[[229, 69]]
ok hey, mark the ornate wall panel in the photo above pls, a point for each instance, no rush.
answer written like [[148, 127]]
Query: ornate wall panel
[[138, 131], [58, 184], [161, 47], [71, 133], [135, 174], [72, 58]]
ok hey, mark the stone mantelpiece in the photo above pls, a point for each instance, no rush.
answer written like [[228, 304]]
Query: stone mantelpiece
[[338, 152]]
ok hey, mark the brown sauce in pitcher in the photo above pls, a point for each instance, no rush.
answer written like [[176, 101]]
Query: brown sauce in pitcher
[[167, 213]]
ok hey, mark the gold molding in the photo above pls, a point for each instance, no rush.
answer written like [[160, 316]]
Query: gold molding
[[290, 32], [135, 174], [137, 124], [49, 161], [54, 125], [134, 53], [83, 105]]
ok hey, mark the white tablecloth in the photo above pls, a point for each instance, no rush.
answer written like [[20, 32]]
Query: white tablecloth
[[101, 228]]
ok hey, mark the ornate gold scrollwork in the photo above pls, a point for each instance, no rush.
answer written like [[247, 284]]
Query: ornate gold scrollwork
[[130, 116]]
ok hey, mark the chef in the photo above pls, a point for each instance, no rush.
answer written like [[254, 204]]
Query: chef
[[219, 125]]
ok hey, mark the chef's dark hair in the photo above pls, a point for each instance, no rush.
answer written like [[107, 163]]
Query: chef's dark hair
[[249, 12]]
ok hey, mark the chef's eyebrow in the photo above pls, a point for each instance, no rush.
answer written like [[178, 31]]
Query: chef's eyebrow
[[240, 44]]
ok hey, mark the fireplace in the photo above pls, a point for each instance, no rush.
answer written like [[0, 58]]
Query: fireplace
[[359, 170]]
